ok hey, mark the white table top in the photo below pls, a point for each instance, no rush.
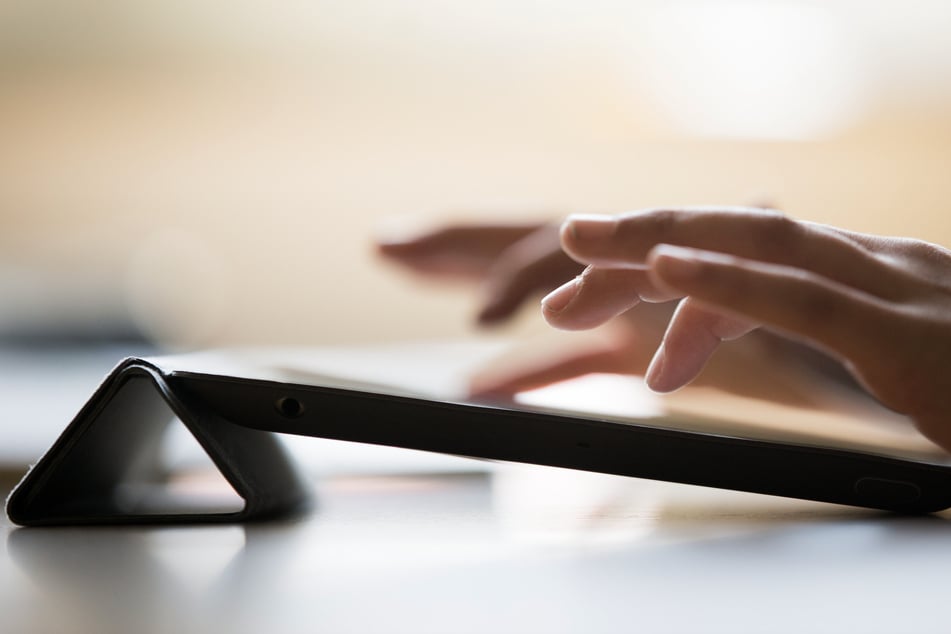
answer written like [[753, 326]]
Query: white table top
[[523, 549]]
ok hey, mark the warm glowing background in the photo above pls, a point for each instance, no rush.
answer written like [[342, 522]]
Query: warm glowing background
[[212, 172]]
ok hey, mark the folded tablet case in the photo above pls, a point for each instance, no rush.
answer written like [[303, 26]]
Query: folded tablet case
[[99, 470], [112, 446]]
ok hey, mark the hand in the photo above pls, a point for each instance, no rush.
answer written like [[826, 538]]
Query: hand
[[512, 262], [516, 262], [881, 306]]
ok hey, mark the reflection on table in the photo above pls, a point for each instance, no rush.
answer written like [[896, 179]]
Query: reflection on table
[[525, 549]]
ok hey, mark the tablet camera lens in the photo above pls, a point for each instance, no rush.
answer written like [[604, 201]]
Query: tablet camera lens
[[289, 407]]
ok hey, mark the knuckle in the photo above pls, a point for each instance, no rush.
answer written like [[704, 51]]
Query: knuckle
[[928, 253], [662, 222], [780, 233], [911, 250], [639, 231], [915, 266]]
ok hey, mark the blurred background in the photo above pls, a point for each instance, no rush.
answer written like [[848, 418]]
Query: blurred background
[[212, 173]]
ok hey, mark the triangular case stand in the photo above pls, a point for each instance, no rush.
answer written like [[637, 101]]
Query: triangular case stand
[[102, 468]]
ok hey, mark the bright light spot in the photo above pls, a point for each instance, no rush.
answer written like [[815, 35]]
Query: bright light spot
[[601, 395], [753, 70]]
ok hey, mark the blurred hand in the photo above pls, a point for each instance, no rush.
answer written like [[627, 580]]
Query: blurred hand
[[512, 262], [880, 306]]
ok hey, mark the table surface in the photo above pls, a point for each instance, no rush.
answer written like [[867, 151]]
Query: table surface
[[404, 544], [518, 549]]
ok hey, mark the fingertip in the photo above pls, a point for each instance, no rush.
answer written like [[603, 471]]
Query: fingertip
[[674, 267], [655, 368], [590, 227], [492, 388], [580, 233], [488, 394], [557, 302], [388, 247], [657, 377], [566, 237], [396, 248], [663, 378], [566, 231]]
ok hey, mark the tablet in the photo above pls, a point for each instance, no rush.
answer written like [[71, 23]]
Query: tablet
[[235, 402]]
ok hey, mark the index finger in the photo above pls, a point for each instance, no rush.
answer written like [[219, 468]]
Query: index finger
[[767, 236]]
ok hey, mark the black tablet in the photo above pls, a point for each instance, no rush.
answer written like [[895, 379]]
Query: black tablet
[[234, 403]]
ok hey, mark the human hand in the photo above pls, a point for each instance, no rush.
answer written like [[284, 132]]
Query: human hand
[[881, 306], [513, 262]]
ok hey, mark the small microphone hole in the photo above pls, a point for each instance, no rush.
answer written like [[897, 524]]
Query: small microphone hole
[[289, 407]]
